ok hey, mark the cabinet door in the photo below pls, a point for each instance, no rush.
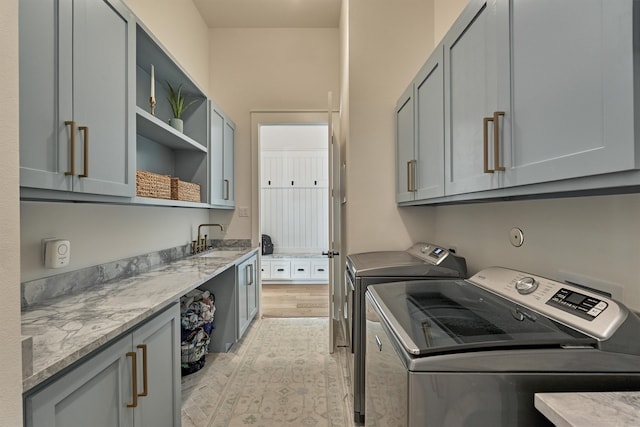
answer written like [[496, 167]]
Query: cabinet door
[[429, 131], [77, 65], [45, 88], [103, 97], [405, 155], [252, 289], [229, 165], [247, 294], [95, 393], [216, 159], [157, 344], [573, 97], [471, 94]]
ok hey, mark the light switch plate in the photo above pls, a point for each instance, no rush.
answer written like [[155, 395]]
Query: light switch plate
[[243, 211]]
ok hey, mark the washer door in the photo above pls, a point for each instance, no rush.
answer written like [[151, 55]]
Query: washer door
[[436, 317]]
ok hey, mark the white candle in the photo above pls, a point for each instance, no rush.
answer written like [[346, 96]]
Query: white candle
[[153, 82]]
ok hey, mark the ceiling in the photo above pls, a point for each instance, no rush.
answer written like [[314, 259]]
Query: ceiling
[[270, 13]]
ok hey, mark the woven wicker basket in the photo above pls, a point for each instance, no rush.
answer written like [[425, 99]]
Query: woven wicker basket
[[150, 184], [186, 191]]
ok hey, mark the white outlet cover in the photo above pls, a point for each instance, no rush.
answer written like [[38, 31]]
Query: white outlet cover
[[516, 237]]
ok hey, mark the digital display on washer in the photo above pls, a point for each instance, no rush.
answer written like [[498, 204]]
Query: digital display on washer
[[437, 252], [577, 304]]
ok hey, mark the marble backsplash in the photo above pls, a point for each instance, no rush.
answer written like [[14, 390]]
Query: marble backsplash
[[76, 281]]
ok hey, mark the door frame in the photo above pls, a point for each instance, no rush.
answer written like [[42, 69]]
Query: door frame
[[284, 117]]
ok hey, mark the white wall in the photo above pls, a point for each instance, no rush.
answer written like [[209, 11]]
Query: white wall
[[387, 44], [10, 350], [268, 69]]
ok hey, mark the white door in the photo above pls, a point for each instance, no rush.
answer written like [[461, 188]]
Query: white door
[[336, 305]]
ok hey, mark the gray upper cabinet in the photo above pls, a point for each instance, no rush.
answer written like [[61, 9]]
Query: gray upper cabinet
[[429, 130], [420, 134], [221, 159], [76, 96], [572, 88], [405, 151], [102, 388], [471, 94], [539, 97]]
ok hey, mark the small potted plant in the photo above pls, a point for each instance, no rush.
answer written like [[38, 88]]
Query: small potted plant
[[178, 106]]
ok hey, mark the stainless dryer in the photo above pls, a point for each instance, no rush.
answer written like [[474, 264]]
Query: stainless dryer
[[422, 261], [474, 352]]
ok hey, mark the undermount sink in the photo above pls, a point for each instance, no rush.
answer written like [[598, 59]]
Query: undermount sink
[[221, 254]]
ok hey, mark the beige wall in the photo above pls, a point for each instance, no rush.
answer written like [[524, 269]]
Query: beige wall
[[388, 42], [268, 69], [10, 350], [446, 11], [177, 24]]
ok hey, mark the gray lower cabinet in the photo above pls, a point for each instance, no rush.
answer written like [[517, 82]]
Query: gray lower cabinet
[[77, 124], [102, 392], [247, 283], [222, 158]]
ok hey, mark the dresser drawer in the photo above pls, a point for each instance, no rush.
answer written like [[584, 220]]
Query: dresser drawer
[[300, 269], [320, 269], [265, 269], [280, 270]]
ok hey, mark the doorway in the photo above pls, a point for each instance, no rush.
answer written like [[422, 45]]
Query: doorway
[[265, 119], [294, 217]]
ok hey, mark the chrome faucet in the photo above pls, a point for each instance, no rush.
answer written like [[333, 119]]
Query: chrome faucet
[[200, 245]]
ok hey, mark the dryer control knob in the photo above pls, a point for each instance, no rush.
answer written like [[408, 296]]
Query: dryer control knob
[[526, 285]]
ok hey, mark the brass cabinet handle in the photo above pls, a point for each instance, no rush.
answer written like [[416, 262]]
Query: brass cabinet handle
[[411, 176], [226, 189], [250, 274], [145, 383], [485, 136], [85, 131], [134, 380], [496, 140], [73, 146]]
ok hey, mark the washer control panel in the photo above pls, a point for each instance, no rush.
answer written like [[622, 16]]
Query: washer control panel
[[428, 252], [578, 303], [586, 311]]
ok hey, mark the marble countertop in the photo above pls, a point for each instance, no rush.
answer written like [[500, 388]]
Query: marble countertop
[[66, 328], [593, 409]]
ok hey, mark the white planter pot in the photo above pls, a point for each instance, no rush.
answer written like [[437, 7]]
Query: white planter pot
[[177, 124]]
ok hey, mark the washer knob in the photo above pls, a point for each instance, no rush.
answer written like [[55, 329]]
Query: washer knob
[[526, 285]]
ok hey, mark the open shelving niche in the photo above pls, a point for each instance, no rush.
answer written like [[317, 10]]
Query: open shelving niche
[[160, 148]]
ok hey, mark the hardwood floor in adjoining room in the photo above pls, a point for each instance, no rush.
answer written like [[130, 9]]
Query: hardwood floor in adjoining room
[[280, 300]]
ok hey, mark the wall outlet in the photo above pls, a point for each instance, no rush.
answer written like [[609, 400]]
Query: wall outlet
[[243, 212]]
